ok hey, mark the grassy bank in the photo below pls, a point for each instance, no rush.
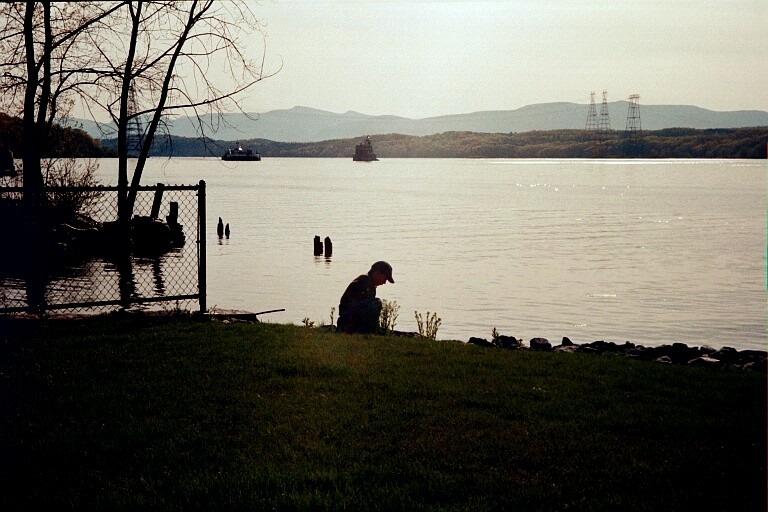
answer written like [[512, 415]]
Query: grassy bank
[[117, 413]]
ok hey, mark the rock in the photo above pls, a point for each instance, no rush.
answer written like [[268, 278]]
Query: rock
[[676, 353], [749, 360], [508, 342], [754, 355], [601, 346], [681, 353], [706, 361], [641, 352], [480, 342], [757, 366], [567, 346], [405, 334], [727, 355], [150, 235]]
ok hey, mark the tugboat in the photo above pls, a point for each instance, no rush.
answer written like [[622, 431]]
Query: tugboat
[[364, 152], [237, 153]]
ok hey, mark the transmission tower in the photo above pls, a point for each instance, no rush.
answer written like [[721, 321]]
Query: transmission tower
[[135, 128], [604, 122], [633, 116], [591, 115]]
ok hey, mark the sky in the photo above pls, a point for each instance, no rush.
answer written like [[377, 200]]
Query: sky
[[421, 58]]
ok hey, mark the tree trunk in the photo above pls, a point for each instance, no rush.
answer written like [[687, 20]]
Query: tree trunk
[[34, 198], [124, 208], [160, 107]]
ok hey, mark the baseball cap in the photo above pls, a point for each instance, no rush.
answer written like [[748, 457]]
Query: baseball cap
[[385, 268]]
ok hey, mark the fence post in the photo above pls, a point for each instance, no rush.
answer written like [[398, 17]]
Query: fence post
[[201, 250], [157, 201]]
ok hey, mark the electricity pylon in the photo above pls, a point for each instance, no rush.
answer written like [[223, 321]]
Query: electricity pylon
[[604, 122], [633, 116], [591, 115]]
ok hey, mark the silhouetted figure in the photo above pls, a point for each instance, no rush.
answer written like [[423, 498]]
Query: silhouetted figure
[[220, 228], [7, 166], [318, 246], [359, 309], [226, 230], [328, 247]]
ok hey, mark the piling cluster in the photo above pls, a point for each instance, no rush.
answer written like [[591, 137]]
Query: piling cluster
[[324, 248], [221, 229]]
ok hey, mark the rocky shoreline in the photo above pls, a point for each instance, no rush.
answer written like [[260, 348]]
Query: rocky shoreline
[[676, 353]]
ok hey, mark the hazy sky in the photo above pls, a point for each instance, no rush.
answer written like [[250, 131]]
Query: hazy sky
[[419, 58]]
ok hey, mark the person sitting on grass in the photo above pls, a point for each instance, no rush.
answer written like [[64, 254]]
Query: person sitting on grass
[[359, 309]]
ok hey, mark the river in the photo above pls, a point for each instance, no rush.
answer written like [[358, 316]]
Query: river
[[647, 251]]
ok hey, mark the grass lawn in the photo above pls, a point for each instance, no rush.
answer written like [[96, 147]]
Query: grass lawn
[[134, 412]]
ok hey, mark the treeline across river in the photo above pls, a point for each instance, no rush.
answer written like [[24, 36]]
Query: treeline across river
[[667, 143], [60, 142]]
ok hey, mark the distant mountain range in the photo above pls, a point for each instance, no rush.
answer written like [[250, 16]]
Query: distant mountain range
[[303, 124]]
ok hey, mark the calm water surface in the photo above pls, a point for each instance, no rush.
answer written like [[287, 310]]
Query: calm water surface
[[650, 251]]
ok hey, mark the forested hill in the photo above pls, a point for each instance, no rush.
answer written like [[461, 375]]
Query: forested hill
[[667, 143], [63, 142]]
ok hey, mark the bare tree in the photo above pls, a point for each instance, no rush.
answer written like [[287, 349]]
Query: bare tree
[[136, 61], [43, 69], [174, 52]]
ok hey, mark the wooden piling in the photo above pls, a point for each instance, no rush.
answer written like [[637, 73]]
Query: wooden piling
[[173, 213]]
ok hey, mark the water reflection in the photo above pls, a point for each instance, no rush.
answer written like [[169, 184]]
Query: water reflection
[[323, 259], [118, 279], [157, 273], [36, 283], [34, 278], [123, 266]]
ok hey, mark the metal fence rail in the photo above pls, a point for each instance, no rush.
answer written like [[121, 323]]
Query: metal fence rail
[[108, 279]]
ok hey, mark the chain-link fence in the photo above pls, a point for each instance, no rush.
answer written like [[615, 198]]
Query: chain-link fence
[[83, 268]]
